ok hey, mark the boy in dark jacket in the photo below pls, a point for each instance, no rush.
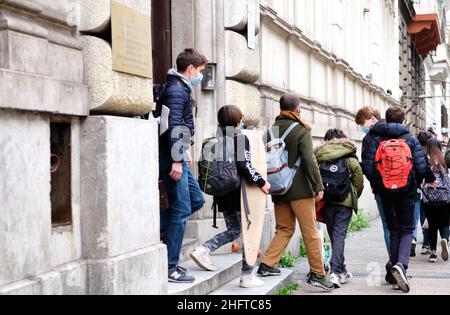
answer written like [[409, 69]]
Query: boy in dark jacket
[[369, 119], [230, 118], [184, 193], [398, 206]]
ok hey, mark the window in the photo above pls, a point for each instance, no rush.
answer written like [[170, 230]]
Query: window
[[61, 174]]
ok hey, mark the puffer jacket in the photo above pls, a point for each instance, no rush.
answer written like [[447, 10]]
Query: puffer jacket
[[382, 132], [177, 97], [369, 148], [337, 149]]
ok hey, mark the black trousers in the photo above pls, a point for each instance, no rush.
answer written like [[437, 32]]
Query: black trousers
[[337, 219], [438, 220], [400, 219]]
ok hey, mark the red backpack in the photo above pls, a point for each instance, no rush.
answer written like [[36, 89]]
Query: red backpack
[[394, 163]]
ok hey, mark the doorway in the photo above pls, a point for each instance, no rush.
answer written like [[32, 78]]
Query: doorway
[[161, 39]]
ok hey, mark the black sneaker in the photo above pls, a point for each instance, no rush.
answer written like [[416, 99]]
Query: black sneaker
[[399, 273], [389, 277], [433, 258], [323, 283], [266, 271], [179, 275], [413, 250]]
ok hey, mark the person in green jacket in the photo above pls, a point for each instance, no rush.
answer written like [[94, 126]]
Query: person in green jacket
[[340, 169], [298, 204]]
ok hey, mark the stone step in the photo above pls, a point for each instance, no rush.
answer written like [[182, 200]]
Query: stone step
[[189, 244], [272, 285], [229, 267]]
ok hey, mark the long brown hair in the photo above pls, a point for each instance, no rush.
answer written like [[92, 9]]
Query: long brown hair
[[436, 156]]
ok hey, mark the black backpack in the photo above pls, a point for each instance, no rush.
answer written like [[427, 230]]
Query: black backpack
[[218, 175], [336, 180]]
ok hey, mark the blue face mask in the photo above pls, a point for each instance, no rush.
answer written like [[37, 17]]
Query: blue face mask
[[365, 129], [242, 126], [197, 80]]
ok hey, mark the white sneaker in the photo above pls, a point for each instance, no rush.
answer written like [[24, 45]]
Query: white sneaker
[[201, 257], [251, 281], [444, 244], [345, 277], [334, 278]]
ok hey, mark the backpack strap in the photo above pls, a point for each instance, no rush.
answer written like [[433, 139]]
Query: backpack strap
[[290, 129], [271, 134], [286, 134], [352, 193]]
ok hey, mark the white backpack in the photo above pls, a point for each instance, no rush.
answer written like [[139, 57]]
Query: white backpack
[[280, 176]]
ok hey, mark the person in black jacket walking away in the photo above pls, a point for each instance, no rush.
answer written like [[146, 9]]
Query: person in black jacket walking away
[[369, 119], [230, 118], [423, 138], [398, 190], [438, 215], [185, 196]]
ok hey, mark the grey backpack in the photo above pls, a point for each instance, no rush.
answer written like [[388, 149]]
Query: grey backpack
[[439, 195], [280, 175]]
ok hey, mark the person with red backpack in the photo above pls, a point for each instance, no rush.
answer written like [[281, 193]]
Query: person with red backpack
[[398, 168]]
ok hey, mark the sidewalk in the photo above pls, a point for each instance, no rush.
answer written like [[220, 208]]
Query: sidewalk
[[366, 258]]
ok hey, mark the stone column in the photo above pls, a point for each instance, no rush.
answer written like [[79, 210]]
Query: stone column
[[120, 199], [41, 80]]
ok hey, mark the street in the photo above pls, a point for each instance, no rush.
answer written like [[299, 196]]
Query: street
[[366, 257]]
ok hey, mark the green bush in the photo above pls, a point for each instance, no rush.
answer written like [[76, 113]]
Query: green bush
[[288, 289], [288, 260], [359, 222]]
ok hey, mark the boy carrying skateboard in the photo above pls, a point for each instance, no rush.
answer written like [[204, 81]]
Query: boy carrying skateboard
[[230, 118]]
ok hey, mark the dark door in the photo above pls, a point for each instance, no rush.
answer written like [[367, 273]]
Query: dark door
[[162, 39]]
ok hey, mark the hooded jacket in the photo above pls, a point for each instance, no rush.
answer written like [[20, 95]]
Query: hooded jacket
[[383, 131], [337, 149], [177, 97]]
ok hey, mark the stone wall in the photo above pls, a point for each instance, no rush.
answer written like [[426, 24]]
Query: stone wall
[[50, 73]]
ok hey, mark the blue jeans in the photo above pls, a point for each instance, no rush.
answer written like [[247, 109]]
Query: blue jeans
[[387, 234], [417, 209], [426, 238], [185, 199]]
